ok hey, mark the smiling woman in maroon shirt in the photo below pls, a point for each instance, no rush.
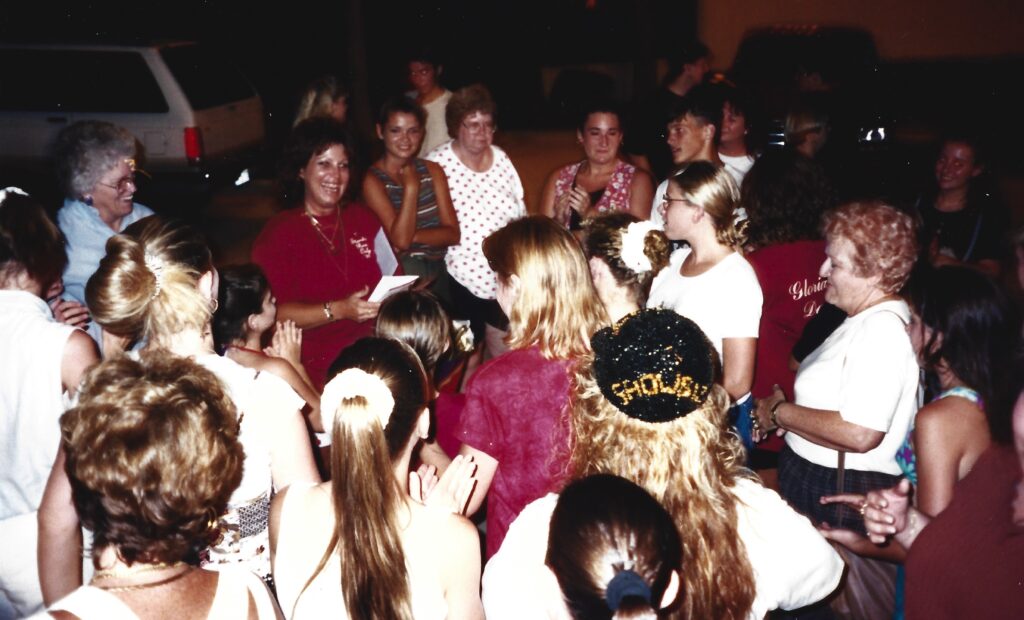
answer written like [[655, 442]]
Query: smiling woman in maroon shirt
[[319, 257]]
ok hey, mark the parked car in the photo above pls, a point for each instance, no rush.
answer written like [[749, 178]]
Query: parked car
[[196, 116]]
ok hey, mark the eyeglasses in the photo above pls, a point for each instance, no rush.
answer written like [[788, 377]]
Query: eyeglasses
[[669, 200], [478, 127], [121, 185]]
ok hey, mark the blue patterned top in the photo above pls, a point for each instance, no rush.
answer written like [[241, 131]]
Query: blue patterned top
[[905, 455]]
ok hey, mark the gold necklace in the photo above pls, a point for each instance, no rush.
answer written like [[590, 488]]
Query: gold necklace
[[151, 584], [328, 241], [108, 573]]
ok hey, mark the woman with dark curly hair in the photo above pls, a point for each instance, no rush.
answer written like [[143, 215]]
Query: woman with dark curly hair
[[855, 395], [785, 195], [320, 256], [151, 498]]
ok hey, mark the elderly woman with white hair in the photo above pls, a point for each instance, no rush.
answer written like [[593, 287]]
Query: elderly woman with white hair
[[96, 164]]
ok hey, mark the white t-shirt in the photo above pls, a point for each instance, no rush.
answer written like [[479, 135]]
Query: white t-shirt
[[737, 167], [867, 371], [793, 565], [724, 301], [436, 130], [484, 202]]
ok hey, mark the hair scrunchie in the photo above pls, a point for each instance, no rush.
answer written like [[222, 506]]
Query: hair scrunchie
[[634, 240], [625, 583], [349, 384]]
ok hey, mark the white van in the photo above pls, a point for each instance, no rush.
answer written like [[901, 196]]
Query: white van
[[192, 111]]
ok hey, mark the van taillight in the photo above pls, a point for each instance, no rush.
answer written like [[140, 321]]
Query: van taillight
[[193, 145]]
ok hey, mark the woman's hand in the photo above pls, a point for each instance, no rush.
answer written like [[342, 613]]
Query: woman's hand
[[450, 493], [286, 343], [70, 312], [355, 308], [763, 415], [886, 511], [410, 180], [578, 200]]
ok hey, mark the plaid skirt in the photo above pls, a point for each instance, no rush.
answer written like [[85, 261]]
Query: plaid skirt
[[802, 483]]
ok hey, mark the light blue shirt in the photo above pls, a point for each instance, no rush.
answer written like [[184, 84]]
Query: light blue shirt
[[86, 236]]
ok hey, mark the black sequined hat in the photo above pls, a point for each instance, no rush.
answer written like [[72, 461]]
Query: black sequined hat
[[654, 365]]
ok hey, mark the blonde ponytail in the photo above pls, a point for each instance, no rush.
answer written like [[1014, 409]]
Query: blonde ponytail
[[147, 284]]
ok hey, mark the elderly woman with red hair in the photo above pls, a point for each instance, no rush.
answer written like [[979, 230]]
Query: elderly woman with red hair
[[856, 394]]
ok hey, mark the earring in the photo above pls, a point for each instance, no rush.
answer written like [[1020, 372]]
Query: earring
[[87, 200]]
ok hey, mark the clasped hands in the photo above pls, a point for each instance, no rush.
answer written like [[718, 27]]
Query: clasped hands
[[450, 492]]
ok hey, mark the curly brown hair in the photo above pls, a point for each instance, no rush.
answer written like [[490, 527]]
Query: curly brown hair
[[152, 454], [884, 241]]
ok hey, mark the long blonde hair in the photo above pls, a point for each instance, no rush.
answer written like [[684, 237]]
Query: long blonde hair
[[147, 283], [557, 307], [366, 496], [688, 464]]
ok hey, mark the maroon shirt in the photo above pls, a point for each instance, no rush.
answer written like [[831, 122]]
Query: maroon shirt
[[300, 268], [969, 561], [793, 292], [516, 413]]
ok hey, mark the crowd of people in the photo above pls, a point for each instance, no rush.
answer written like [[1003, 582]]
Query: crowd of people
[[697, 383]]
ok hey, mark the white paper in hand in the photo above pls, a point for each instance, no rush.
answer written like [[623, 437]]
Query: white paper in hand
[[386, 259], [389, 285]]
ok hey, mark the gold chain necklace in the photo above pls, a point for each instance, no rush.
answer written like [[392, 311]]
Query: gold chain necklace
[[152, 584], [108, 573], [328, 241]]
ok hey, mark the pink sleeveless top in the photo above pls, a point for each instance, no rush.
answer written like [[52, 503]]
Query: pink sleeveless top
[[615, 196]]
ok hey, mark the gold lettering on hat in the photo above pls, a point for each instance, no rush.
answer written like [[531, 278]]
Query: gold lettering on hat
[[652, 384]]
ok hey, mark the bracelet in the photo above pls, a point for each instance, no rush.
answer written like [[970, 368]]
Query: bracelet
[[327, 311], [775, 412]]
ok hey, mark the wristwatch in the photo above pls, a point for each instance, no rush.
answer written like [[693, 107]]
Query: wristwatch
[[327, 311]]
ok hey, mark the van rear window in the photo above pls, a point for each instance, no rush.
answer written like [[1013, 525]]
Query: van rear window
[[41, 80], [208, 81]]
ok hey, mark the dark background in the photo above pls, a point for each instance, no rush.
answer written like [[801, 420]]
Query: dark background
[[502, 44]]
